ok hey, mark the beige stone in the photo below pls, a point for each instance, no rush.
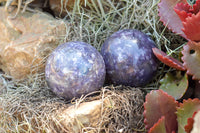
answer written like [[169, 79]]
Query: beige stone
[[85, 114], [27, 40]]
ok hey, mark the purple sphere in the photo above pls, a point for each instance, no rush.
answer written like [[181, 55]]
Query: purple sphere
[[129, 58], [74, 69]]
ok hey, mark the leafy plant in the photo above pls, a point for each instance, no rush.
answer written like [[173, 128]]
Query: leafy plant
[[182, 18], [163, 114]]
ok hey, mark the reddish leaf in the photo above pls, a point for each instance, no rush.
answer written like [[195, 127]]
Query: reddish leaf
[[159, 103], [183, 11], [185, 111], [196, 7], [168, 60], [189, 125], [159, 127], [190, 122], [192, 28], [196, 127], [169, 17], [195, 45], [175, 85], [191, 59]]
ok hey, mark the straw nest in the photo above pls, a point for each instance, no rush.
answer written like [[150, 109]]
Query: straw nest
[[29, 106], [41, 111]]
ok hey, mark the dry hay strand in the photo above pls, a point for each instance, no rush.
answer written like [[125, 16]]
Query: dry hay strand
[[121, 111], [101, 18], [26, 106], [125, 113], [28, 109]]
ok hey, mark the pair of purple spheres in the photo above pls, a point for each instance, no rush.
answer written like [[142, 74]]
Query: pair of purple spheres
[[77, 68]]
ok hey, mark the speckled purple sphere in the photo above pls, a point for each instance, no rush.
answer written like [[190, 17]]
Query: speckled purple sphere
[[74, 69], [129, 58]]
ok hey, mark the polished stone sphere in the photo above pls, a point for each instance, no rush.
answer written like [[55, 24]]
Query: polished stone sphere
[[74, 69], [129, 58]]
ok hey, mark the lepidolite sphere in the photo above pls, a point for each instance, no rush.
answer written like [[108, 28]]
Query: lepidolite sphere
[[129, 58], [74, 69]]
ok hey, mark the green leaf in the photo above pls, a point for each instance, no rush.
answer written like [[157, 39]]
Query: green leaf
[[175, 86], [185, 111]]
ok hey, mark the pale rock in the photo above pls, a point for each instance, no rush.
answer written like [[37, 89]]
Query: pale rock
[[86, 114], [27, 40]]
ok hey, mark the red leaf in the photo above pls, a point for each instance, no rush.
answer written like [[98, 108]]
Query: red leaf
[[191, 59], [192, 28], [163, 57], [195, 45], [189, 125], [190, 122], [196, 7], [169, 17], [185, 111], [159, 103], [159, 127], [196, 127], [183, 11]]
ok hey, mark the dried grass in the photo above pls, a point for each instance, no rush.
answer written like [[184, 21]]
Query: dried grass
[[36, 111], [28, 106]]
